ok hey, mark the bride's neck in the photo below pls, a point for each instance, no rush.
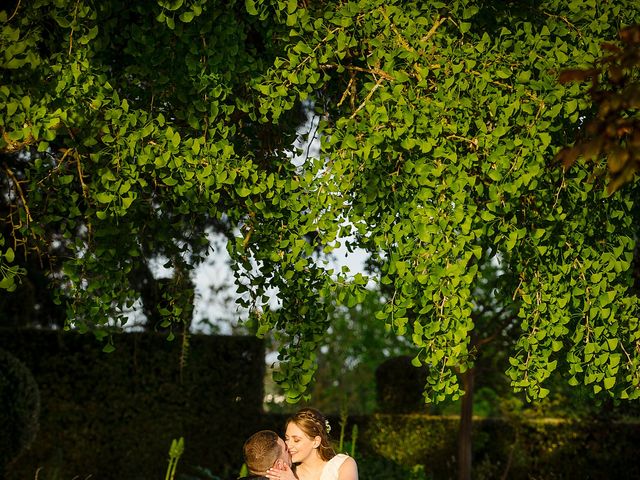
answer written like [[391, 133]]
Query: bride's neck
[[312, 463]]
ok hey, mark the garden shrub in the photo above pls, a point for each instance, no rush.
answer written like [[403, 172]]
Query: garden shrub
[[532, 448]]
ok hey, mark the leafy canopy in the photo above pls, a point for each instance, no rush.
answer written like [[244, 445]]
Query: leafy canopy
[[135, 126]]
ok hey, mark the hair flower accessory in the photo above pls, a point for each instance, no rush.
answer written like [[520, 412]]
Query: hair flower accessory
[[327, 426]]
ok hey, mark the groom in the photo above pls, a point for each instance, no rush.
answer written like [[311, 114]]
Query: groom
[[262, 451]]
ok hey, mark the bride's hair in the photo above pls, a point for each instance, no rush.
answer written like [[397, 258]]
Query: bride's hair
[[313, 424]]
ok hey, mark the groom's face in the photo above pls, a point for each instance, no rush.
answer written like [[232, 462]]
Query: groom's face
[[285, 456]]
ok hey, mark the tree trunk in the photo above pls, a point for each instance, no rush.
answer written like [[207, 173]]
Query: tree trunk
[[466, 420]]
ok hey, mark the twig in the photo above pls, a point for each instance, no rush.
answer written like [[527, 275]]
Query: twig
[[75, 17], [346, 90], [310, 141], [473, 142], [564, 19], [20, 192], [13, 15], [372, 71], [515, 292], [630, 362], [433, 29], [66, 152], [364, 102], [308, 57], [85, 189]]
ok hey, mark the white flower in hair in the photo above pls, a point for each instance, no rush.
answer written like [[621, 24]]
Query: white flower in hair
[[327, 426]]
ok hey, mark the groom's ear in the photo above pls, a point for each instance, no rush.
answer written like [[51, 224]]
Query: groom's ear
[[279, 464]]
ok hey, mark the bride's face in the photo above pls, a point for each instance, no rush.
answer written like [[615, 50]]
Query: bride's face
[[299, 444]]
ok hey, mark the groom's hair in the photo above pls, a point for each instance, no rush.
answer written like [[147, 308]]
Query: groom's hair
[[261, 451]]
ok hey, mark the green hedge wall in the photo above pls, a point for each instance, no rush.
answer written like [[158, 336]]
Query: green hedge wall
[[113, 416], [532, 449], [403, 447]]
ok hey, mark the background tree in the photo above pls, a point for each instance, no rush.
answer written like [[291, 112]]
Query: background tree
[[495, 330], [20, 399]]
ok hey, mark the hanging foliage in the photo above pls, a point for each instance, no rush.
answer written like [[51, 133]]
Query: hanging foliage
[[133, 127]]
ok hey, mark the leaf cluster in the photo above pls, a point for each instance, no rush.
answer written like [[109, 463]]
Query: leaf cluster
[[614, 130]]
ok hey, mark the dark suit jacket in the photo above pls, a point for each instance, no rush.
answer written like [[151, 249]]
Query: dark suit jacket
[[254, 477]]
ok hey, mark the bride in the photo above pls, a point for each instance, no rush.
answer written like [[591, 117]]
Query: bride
[[307, 439]]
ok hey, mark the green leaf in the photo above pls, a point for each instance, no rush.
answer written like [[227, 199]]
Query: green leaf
[[65, 179], [503, 73], [186, 17], [171, 5], [538, 233], [11, 108], [243, 191], [609, 382], [545, 138], [571, 106], [170, 181], [470, 12], [104, 197], [250, 5], [7, 283]]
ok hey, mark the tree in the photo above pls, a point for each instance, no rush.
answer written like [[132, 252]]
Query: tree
[[140, 125], [441, 122]]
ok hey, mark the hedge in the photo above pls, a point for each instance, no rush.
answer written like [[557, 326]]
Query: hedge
[[113, 416], [401, 446]]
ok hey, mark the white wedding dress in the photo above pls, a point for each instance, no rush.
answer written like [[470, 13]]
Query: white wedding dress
[[330, 470]]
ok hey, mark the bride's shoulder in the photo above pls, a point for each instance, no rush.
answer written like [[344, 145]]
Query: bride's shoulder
[[348, 469], [340, 467]]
